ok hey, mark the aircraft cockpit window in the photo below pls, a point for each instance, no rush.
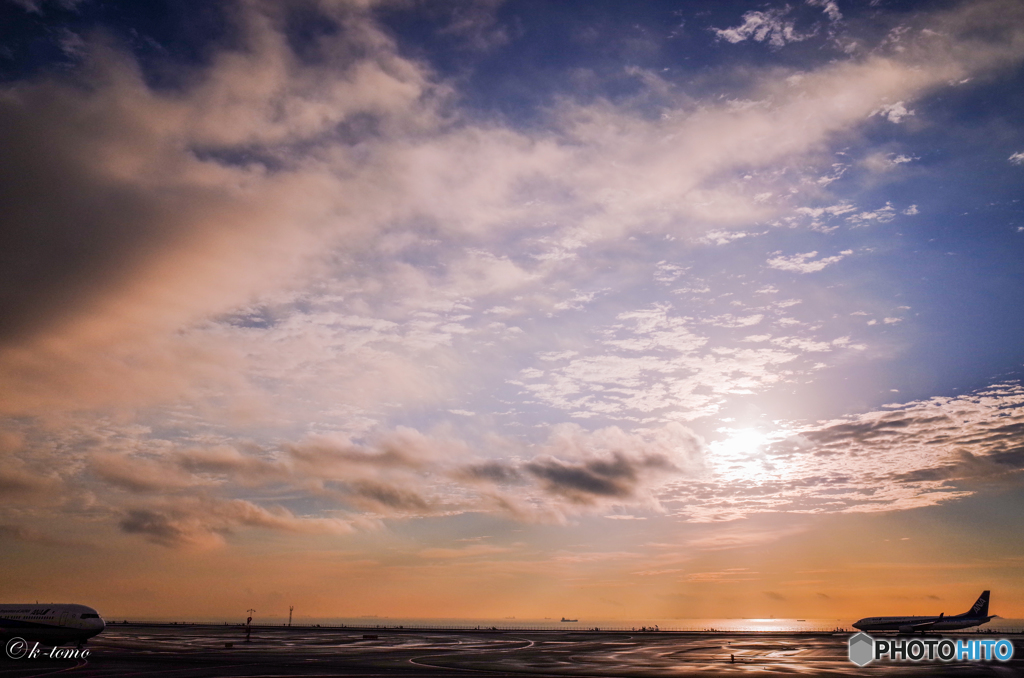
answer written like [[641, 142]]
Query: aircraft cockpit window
[[88, 615]]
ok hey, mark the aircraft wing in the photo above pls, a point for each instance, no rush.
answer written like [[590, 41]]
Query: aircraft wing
[[921, 626]]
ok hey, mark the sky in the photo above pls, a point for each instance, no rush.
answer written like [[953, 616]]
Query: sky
[[484, 308]]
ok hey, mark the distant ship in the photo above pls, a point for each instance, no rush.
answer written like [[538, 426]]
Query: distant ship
[[569, 620]]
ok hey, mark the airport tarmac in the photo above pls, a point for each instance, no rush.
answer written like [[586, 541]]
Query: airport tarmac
[[198, 651]]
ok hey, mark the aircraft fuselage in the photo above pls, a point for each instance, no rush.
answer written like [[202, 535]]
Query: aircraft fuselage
[[976, 616], [910, 624], [54, 623]]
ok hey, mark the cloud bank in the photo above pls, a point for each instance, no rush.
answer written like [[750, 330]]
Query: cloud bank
[[264, 276]]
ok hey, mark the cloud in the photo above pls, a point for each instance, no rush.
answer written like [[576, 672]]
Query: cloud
[[36, 6], [805, 263], [490, 472], [728, 575], [882, 215], [583, 482], [20, 484], [895, 112], [653, 365], [1017, 158], [125, 225], [140, 475], [831, 210], [903, 456], [377, 496], [829, 7], [730, 320], [203, 523], [230, 463], [292, 250], [187, 498], [719, 237], [138, 215], [581, 470], [736, 535], [909, 455], [25, 534], [885, 162], [474, 551], [334, 456], [769, 25]]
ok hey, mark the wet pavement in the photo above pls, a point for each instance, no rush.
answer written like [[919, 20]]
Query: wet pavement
[[199, 651]]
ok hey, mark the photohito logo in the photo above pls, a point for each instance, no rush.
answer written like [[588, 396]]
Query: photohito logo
[[864, 649]]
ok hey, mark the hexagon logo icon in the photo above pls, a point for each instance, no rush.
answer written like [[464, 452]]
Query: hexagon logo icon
[[862, 649]]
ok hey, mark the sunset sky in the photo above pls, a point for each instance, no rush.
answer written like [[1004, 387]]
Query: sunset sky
[[483, 308]]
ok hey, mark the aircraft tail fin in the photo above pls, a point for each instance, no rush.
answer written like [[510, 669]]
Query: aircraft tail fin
[[980, 607]]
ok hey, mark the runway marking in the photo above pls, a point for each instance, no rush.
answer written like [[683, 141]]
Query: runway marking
[[197, 668], [80, 664], [529, 644]]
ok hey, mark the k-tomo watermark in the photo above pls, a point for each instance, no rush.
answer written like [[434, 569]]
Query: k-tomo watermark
[[19, 648], [864, 649]]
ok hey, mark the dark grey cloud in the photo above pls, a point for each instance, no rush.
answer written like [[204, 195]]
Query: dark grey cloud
[[19, 484], [157, 527], [73, 224], [25, 534], [199, 522], [492, 471], [616, 476], [376, 495], [965, 465], [864, 431]]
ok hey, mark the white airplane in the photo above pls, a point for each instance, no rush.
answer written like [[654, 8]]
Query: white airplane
[[976, 616], [53, 624]]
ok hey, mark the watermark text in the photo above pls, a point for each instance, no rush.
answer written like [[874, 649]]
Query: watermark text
[[19, 648]]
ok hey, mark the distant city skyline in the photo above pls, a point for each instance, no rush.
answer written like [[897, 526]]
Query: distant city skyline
[[491, 308]]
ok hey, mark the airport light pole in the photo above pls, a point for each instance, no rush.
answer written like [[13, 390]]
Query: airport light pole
[[248, 625], [290, 608]]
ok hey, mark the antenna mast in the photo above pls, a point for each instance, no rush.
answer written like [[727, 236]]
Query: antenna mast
[[248, 624]]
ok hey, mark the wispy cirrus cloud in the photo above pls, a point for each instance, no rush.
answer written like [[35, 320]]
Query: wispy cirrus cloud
[[769, 26], [806, 262]]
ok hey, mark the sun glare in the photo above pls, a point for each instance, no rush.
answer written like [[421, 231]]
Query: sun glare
[[741, 442], [739, 457]]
